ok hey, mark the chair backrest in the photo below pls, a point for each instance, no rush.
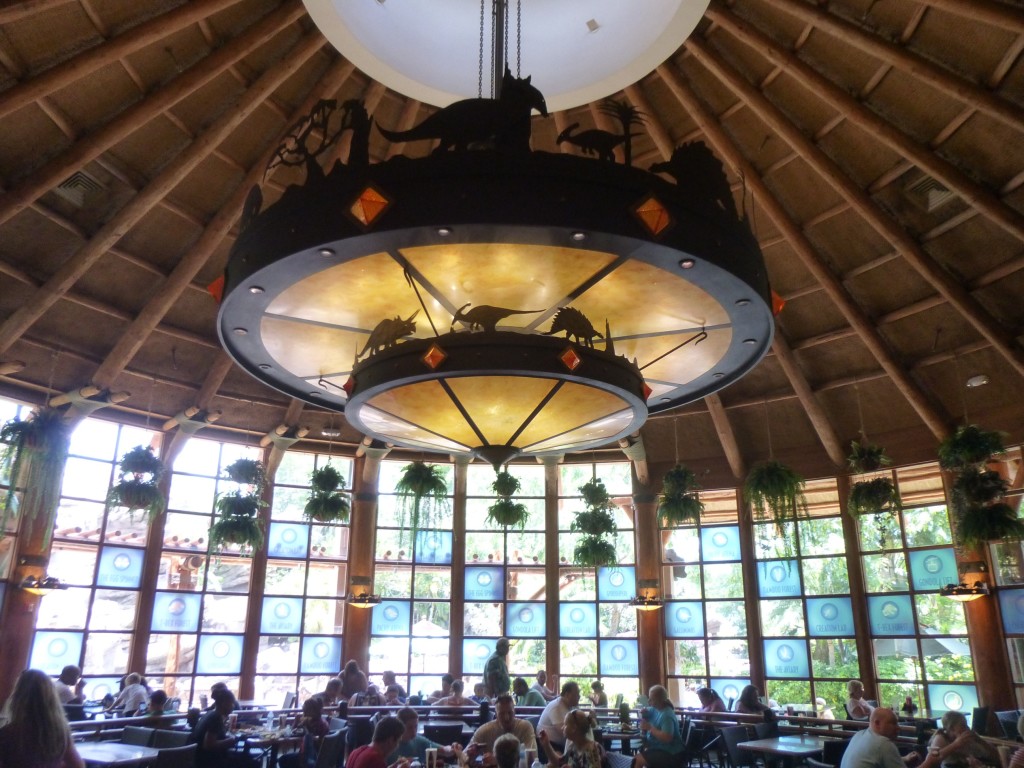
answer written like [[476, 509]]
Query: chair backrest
[[164, 739], [618, 700], [137, 736], [176, 757], [767, 730], [731, 737], [336, 724], [173, 705], [812, 763], [360, 732], [1007, 721], [443, 734], [979, 720], [834, 751], [289, 700], [74, 711], [331, 749]]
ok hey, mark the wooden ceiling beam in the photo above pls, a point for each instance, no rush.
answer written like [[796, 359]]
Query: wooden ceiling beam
[[726, 435], [819, 420], [1000, 16], [658, 132], [908, 62], [87, 62], [159, 101], [970, 191], [912, 252], [168, 293], [173, 174], [804, 250]]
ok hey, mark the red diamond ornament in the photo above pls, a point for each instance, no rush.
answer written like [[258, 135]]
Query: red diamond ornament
[[570, 359], [434, 357], [647, 391], [653, 214], [349, 385]]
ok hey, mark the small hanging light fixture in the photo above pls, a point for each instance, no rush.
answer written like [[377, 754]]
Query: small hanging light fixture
[[647, 598], [361, 594], [972, 583]]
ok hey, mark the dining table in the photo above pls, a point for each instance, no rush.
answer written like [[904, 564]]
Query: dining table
[[790, 747], [112, 753]]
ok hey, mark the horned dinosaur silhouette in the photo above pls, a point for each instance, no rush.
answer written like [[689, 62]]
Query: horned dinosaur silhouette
[[387, 333], [576, 326], [485, 317], [506, 119], [593, 141], [697, 173]]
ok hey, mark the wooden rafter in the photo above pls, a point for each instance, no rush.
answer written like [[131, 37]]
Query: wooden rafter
[[999, 15], [726, 435]]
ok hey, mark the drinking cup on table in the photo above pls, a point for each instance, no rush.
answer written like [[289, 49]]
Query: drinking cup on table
[[233, 721], [789, 709], [282, 722], [531, 756], [431, 758]]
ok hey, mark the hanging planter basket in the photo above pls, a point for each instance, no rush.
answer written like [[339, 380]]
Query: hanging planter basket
[[866, 457], [869, 497], [327, 501], [594, 552], [596, 522], [33, 453], [980, 524], [969, 446], [137, 488], [508, 513], [422, 498], [776, 492], [679, 503], [238, 521], [505, 484]]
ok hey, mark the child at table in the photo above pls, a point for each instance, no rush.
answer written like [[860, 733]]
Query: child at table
[[312, 727]]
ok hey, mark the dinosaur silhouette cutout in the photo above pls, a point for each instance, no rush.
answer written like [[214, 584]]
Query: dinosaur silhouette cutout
[[485, 317], [593, 141]]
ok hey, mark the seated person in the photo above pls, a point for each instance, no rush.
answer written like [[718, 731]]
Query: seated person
[[455, 698], [443, 692], [552, 718], [525, 695], [313, 727], [597, 694], [662, 738], [875, 746], [331, 694], [215, 747], [749, 703], [506, 751], [154, 711], [386, 736], [710, 701], [388, 679], [957, 746], [393, 695], [371, 697], [581, 751], [70, 686], [132, 697], [857, 707], [479, 693], [505, 721], [414, 746]]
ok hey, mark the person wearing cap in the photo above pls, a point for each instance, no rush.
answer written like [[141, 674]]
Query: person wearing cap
[[496, 669]]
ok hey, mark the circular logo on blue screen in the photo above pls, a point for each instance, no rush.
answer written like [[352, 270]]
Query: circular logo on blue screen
[[731, 691], [1019, 604], [100, 690], [221, 649], [321, 650], [829, 612], [616, 579], [176, 607], [526, 615], [122, 562], [282, 610], [777, 573], [719, 539], [683, 615], [952, 700], [57, 647], [484, 578], [619, 652], [576, 615], [289, 535], [390, 612], [482, 651], [785, 653], [432, 542], [890, 610], [933, 564]]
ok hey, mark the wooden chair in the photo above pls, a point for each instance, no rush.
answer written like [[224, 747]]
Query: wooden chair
[[738, 758], [176, 757]]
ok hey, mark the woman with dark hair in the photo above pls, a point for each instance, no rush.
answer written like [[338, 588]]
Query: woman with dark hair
[[710, 701], [749, 703], [35, 732]]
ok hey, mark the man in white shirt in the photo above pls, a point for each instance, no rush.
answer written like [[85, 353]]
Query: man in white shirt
[[70, 686], [541, 686], [553, 716], [875, 746]]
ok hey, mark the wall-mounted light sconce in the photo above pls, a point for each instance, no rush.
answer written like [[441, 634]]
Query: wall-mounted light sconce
[[38, 583], [647, 598], [360, 593], [972, 584]]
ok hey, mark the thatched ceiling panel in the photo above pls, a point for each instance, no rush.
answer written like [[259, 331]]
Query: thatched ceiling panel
[[949, 382], [974, 248], [201, 107], [861, 156], [891, 286], [149, 149], [1003, 300], [142, 239], [46, 364], [196, 312], [232, 20], [21, 132], [87, 111], [839, 61], [119, 283], [884, 409], [812, 314], [977, 49], [887, 21], [913, 106], [755, 140], [36, 245], [801, 106], [210, 185], [820, 363], [48, 38], [80, 328], [898, 201], [783, 27], [160, 63], [844, 241], [738, 57], [271, 53], [803, 191], [991, 149], [249, 142], [785, 271], [667, 109], [708, 88], [787, 422], [767, 377], [932, 330]]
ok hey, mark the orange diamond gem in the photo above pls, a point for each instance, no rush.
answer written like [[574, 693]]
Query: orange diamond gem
[[570, 359], [369, 205], [653, 215], [349, 385], [434, 357], [647, 391]]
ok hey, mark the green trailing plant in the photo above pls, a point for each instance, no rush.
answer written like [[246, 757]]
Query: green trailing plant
[[969, 446], [33, 456], [137, 487], [595, 522], [867, 457], [868, 497], [991, 522], [238, 519], [679, 503], [775, 492], [422, 498], [327, 501], [505, 511]]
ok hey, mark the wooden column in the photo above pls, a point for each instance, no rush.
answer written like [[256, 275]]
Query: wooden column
[[362, 545], [752, 603], [551, 574], [257, 587], [457, 619], [858, 594], [650, 624]]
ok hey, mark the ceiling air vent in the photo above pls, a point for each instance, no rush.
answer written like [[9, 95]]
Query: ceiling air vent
[[928, 194], [78, 188]]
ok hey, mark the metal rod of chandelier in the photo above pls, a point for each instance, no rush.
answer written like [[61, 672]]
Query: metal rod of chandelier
[[499, 41]]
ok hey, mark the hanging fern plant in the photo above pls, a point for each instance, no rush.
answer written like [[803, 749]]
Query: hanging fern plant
[[869, 497], [505, 511], [776, 492], [137, 488], [596, 522], [979, 525], [866, 457], [33, 456], [679, 503], [969, 446], [327, 501], [422, 498], [238, 520]]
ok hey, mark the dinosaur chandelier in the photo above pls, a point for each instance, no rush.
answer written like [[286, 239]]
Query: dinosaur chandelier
[[488, 300]]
